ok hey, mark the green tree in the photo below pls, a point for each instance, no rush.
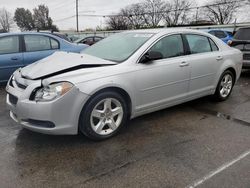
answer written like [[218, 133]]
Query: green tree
[[42, 19], [23, 19]]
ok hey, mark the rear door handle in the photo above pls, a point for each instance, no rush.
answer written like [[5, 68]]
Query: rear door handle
[[219, 58], [184, 64], [14, 58]]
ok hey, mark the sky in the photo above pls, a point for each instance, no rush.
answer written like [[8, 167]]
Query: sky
[[61, 10]]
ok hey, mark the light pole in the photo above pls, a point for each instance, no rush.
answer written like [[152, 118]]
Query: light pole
[[77, 23]]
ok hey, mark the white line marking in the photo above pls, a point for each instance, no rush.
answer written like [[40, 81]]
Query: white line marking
[[218, 170]]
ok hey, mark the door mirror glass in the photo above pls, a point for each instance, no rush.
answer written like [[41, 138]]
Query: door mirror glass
[[150, 56]]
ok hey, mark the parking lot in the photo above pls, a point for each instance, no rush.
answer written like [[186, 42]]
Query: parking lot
[[197, 144]]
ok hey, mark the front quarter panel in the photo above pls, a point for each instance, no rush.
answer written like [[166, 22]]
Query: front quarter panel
[[123, 81]]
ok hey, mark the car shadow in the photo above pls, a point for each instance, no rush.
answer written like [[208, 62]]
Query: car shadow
[[245, 73]]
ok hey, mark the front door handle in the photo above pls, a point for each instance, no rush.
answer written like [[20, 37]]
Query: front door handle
[[219, 58], [184, 64], [14, 58]]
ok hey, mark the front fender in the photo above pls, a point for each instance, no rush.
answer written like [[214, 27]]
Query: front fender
[[93, 86]]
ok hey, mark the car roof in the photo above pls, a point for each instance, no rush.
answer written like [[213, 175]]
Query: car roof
[[25, 33], [166, 31], [217, 30], [244, 28]]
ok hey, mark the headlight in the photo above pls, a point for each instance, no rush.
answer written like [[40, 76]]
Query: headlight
[[53, 91]]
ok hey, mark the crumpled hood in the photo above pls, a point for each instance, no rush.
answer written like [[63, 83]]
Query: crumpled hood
[[61, 62]]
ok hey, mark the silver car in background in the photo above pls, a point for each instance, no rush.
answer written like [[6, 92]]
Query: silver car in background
[[121, 77]]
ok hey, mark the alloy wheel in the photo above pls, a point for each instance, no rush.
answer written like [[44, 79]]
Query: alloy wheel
[[106, 116], [226, 85]]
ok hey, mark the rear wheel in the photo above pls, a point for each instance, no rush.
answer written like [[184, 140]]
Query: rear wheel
[[225, 86], [103, 116]]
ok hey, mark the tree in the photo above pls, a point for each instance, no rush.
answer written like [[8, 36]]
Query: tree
[[117, 23], [176, 12], [153, 12], [24, 20], [6, 21], [134, 14], [42, 20], [223, 12]]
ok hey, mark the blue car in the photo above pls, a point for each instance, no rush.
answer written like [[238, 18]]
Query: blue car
[[224, 35], [20, 49]]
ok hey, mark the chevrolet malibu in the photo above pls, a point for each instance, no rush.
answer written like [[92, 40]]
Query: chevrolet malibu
[[119, 78]]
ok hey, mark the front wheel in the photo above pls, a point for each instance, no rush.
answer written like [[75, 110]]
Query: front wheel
[[225, 86], [103, 116]]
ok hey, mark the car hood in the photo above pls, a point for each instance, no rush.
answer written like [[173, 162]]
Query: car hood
[[62, 62]]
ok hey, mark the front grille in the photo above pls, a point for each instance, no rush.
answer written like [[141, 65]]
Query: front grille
[[13, 99], [246, 56]]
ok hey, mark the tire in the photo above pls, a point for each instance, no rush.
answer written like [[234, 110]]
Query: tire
[[103, 116], [225, 86]]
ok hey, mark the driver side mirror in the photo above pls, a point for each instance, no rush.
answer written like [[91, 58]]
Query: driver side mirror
[[150, 56]]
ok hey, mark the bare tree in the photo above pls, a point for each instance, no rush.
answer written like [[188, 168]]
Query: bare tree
[[117, 23], [134, 14], [6, 20], [223, 12], [177, 12], [153, 12]]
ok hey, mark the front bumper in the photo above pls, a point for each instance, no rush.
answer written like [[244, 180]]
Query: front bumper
[[59, 116]]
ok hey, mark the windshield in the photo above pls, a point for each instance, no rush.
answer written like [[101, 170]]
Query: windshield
[[243, 34], [118, 47]]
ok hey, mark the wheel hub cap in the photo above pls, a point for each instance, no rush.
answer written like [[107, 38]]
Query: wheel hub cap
[[106, 116], [226, 85]]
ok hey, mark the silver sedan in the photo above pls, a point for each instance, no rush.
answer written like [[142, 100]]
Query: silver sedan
[[121, 77]]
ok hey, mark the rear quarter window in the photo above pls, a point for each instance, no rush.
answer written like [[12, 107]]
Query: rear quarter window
[[214, 47]]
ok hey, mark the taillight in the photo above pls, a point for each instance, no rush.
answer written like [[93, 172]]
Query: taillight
[[229, 42]]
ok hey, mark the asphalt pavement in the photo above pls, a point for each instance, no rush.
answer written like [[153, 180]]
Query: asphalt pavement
[[201, 143]]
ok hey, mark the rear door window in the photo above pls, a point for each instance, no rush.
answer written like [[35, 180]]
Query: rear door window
[[9, 45], [198, 43], [39, 43]]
